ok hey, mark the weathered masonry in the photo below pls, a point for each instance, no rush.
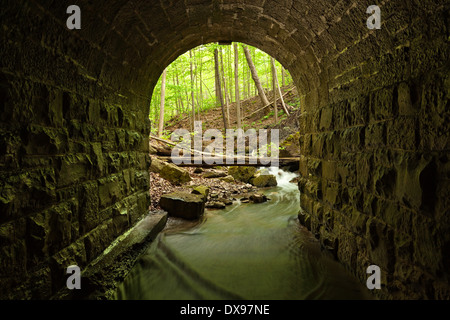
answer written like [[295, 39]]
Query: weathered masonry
[[375, 126]]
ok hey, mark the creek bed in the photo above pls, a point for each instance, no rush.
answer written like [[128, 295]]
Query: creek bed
[[246, 251]]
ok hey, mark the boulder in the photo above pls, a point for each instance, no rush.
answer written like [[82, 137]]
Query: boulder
[[174, 174], [258, 198], [215, 205], [228, 179], [201, 190], [183, 205], [290, 147], [214, 174], [226, 202], [245, 200], [156, 165], [198, 170], [243, 173], [263, 179]]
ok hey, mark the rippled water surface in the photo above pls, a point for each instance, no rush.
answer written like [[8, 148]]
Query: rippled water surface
[[246, 251]]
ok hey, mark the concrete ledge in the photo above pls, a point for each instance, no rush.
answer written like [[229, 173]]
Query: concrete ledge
[[100, 278]]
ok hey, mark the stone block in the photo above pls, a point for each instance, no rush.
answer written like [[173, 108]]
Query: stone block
[[74, 254], [183, 205], [380, 244], [408, 187], [93, 111], [401, 133], [405, 105], [363, 170], [382, 104], [375, 136], [98, 239], [97, 157], [72, 169], [329, 171], [109, 191], [331, 194], [55, 108], [89, 207], [326, 119], [43, 140]]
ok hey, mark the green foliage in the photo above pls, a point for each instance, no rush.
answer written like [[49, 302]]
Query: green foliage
[[178, 91]]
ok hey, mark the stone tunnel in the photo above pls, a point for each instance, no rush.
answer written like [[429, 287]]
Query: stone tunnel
[[375, 122]]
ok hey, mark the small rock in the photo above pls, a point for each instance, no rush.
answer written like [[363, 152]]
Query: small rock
[[228, 179], [201, 190], [258, 198], [214, 195], [214, 174], [198, 170], [215, 205], [227, 202]]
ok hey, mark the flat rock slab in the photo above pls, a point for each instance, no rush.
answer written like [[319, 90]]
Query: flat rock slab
[[183, 205], [100, 278]]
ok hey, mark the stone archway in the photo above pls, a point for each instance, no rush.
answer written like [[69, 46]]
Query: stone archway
[[74, 127]]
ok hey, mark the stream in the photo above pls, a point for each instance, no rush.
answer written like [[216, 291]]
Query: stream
[[246, 251]]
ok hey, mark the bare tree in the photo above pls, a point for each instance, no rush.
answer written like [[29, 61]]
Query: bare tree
[[192, 91], [219, 87], [255, 77], [274, 89], [161, 107], [278, 87], [236, 85], [225, 92]]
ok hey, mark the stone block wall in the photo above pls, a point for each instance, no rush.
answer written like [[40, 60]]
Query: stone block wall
[[374, 127], [74, 151], [375, 154]]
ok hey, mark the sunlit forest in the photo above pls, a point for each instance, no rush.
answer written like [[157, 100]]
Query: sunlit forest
[[189, 85]]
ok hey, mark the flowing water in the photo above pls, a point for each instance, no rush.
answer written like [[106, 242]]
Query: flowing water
[[246, 251]]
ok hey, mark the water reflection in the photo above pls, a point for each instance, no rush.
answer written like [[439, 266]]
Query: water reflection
[[246, 251]]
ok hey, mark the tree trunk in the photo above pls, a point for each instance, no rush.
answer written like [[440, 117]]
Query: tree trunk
[[161, 107], [177, 104], [179, 94], [201, 83], [236, 85], [230, 74], [225, 92], [274, 89], [279, 90], [255, 77], [218, 87], [192, 90]]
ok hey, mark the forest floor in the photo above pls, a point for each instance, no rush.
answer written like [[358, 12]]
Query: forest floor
[[264, 119], [212, 119]]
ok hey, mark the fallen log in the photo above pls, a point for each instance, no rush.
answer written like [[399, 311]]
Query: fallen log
[[208, 162], [267, 105]]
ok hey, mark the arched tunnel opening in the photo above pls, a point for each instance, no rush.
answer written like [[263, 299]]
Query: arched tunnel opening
[[374, 129]]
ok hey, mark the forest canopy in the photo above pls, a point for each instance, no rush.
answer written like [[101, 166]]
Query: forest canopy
[[190, 83]]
